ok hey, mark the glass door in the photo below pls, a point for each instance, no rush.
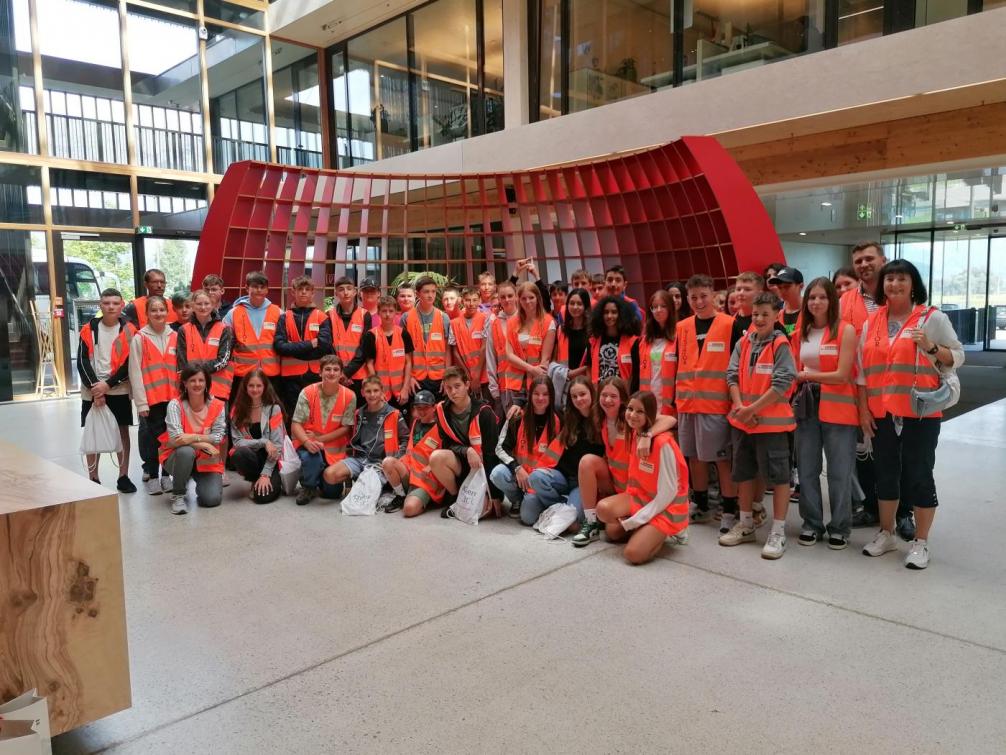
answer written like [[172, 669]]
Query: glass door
[[996, 317], [959, 273]]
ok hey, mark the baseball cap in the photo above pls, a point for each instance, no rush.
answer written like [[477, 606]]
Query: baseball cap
[[424, 398], [368, 283], [787, 275]]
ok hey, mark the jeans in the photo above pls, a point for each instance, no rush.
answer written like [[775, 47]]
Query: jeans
[[311, 467], [839, 445], [149, 430], [550, 487], [209, 485], [249, 462], [506, 481]]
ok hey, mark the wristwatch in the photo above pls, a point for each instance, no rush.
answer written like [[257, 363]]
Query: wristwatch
[[934, 350]]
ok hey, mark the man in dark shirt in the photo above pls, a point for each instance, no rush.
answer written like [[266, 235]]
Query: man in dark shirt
[[307, 341]]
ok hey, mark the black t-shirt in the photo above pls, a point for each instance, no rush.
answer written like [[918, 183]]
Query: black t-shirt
[[578, 341], [569, 462], [789, 321]]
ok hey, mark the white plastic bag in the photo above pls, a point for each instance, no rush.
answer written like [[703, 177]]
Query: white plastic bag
[[473, 501], [100, 436], [289, 467], [362, 499], [555, 520]]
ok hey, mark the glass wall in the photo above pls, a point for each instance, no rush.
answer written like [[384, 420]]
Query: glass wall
[[238, 118], [82, 198], [379, 92], [25, 324], [18, 131], [20, 194], [172, 205], [297, 104]]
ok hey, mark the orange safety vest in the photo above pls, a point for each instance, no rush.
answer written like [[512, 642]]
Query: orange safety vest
[[253, 350], [390, 361], [335, 449], [644, 476], [204, 463], [391, 432], [777, 417], [159, 369], [624, 358], [198, 350], [120, 346], [617, 455], [345, 341], [140, 304], [275, 423], [532, 458], [893, 367], [668, 372], [471, 344], [529, 349], [417, 458], [853, 309], [837, 404], [702, 378], [290, 366], [508, 377], [429, 358], [474, 431]]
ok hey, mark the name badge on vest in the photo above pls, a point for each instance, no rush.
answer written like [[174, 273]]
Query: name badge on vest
[[397, 353], [436, 336], [212, 341], [268, 326], [355, 328], [388, 435], [475, 439], [763, 369], [477, 335], [829, 349], [715, 346], [171, 350], [431, 442], [625, 359], [670, 357], [906, 333], [314, 327], [645, 466], [532, 341], [542, 447]]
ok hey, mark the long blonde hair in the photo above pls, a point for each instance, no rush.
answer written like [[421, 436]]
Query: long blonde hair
[[528, 286]]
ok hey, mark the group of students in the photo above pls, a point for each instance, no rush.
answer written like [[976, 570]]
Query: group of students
[[562, 394]]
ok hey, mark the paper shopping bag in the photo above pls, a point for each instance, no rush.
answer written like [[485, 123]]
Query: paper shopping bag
[[24, 728]]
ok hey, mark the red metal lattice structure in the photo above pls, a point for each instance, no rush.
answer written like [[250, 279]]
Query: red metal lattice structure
[[663, 213]]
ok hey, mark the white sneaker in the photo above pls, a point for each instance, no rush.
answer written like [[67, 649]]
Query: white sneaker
[[918, 556], [167, 483], [727, 522], [178, 505], [680, 539], [775, 546], [738, 534], [883, 542], [152, 486], [145, 477]]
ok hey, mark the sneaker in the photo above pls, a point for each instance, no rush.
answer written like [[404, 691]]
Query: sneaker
[[178, 505], [514, 510], [918, 556], [758, 512], [838, 542], [807, 537], [145, 477], [738, 534], [589, 532], [306, 495], [167, 483], [680, 539], [385, 500], [727, 523], [699, 516], [906, 528], [775, 546], [794, 496], [152, 486], [863, 518], [396, 504], [125, 485], [882, 543]]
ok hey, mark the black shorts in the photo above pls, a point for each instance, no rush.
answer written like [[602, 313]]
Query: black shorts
[[764, 455], [121, 406], [904, 462]]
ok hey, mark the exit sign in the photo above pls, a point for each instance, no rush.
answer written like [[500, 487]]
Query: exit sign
[[144, 230]]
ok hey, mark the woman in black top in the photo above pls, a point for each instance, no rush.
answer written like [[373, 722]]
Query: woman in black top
[[574, 333], [613, 351]]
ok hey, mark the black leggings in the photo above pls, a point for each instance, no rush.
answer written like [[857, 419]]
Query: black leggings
[[904, 463], [249, 462]]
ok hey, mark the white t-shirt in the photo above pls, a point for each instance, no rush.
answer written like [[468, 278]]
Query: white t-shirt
[[103, 358], [810, 350]]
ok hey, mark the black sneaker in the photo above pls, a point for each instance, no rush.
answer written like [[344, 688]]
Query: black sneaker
[[863, 518], [838, 542], [396, 504], [125, 485], [338, 491], [446, 503], [807, 538], [906, 527], [306, 495], [794, 494]]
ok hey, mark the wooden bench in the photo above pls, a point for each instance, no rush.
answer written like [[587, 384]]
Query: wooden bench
[[62, 608]]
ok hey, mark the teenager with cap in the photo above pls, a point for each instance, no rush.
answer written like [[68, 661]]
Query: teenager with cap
[[370, 295], [410, 477], [788, 282]]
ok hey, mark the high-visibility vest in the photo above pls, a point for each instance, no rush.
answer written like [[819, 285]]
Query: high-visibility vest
[[644, 478], [616, 453], [531, 458], [508, 377], [471, 344], [390, 361], [120, 346], [345, 340], [892, 367], [796, 328], [275, 423], [198, 350], [837, 403], [702, 378], [390, 429], [668, 372], [290, 366], [159, 370], [140, 305], [624, 358], [778, 416], [853, 309], [529, 349], [204, 463], [429, 356], [335, 449], [417, 458], [252, 349], [474, 430]]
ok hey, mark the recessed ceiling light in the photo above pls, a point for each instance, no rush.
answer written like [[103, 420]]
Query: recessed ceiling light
[[826, 204], [803, 233], [950, 222]]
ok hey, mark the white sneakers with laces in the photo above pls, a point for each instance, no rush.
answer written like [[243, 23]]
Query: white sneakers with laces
[[178, 505], [883, 542], [918, 556], [738, 534], [152, 486], [775, 546]]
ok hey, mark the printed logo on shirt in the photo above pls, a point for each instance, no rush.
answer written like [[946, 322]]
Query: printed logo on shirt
[[268, 326], [314, 327], [645, 466], [763, 369], [830, 349], [212, 341], [715, 346]]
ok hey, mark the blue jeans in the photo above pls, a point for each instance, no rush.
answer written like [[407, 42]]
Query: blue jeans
[[506, 481], [838, 442], [550, 487], [311, 467]]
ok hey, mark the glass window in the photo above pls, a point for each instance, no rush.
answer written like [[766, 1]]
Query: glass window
[[82, 74], [234, 14], [379, 93], [237, 97], [176, 257], [859, 19], [493, 35], [20, 194], [341, 83], [26, 337], [164, 68], [550, 64], [90, 199], [18, 127], [171, 205], [297, 101]]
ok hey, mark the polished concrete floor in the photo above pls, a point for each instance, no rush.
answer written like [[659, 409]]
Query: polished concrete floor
[[279, 629]]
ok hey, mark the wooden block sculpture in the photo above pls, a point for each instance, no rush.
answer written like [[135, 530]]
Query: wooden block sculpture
[[63, 614]]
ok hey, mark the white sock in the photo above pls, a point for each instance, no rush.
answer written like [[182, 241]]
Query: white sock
[[779, 527], [399, 490], [590, 515], [747, 519]]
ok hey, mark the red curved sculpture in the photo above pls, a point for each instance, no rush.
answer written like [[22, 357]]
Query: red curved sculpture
[[663, 213]]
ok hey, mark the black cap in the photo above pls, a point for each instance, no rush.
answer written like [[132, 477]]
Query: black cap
[[786, 275], [424, 398], [368, 283]]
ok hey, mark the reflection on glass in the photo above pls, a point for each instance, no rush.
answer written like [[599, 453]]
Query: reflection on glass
[[550, 52], [340, 110], [90, 199], [493, 35], [859, 20], [171, 205], [18, 128], [20, 194], [379, 93], [176, 257], [234, 14], [26, 336], [296, 100], [164, 67], [996, 317], [237, 97]]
